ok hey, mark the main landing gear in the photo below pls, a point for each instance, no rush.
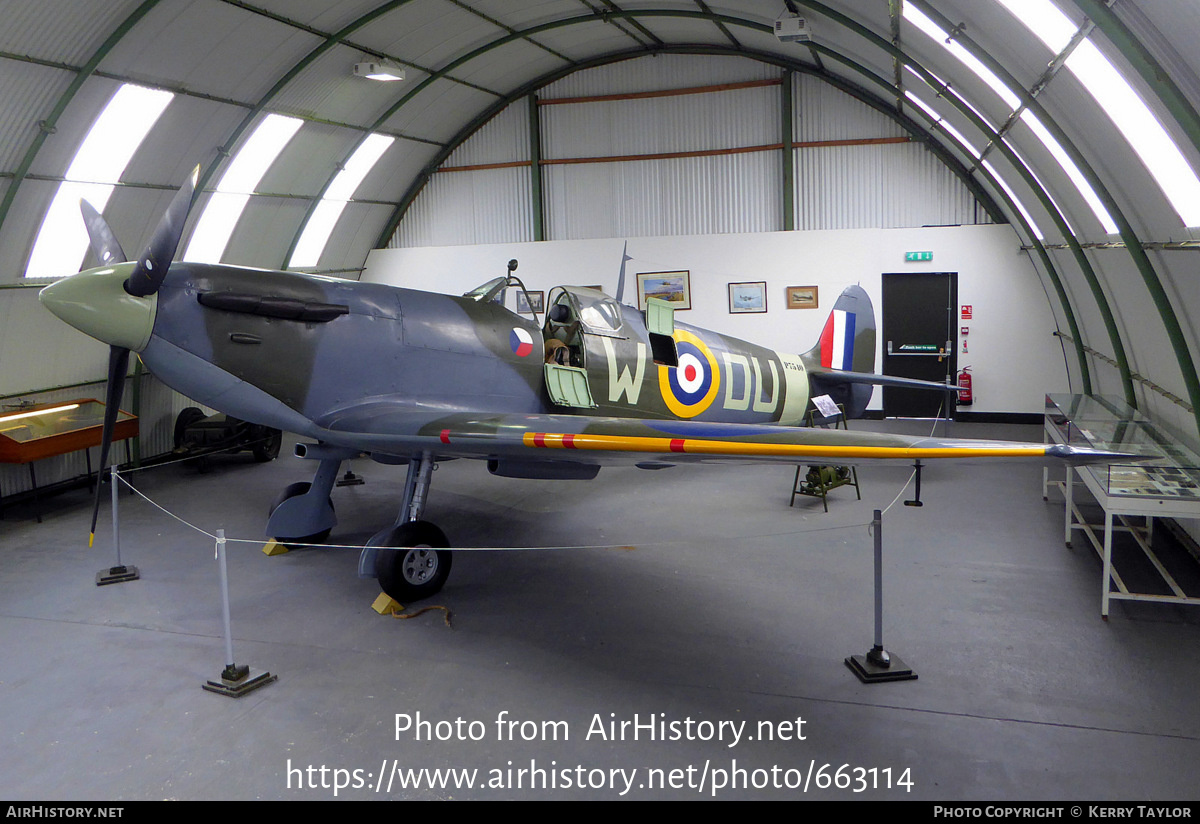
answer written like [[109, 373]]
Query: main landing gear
[[417, 566], [411, 558]]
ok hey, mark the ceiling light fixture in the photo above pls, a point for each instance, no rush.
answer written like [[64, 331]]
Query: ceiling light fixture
[[792, 28], [379, 70]]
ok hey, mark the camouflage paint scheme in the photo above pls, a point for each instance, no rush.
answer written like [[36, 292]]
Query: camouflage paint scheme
[[400, 372]]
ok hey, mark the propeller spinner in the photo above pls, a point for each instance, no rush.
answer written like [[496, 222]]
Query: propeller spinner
[[115, 302]]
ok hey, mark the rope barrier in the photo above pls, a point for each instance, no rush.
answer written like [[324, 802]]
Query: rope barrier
[[660, 543]]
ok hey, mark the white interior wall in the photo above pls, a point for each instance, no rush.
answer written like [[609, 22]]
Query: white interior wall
[[38, 351], [1014, 356]]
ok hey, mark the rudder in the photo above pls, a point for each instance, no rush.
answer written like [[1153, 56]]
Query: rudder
[[847, 340]]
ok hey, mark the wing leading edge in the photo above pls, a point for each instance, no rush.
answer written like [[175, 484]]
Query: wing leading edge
[[404, 430]]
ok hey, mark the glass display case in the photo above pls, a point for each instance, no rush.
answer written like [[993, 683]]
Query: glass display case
[[1108, 423], [1164, 483], [46, 430], [54, 429]]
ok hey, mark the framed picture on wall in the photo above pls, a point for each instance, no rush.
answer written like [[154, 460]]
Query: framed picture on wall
[[747, 297], [802, 297], [673, 287], [537, 299]]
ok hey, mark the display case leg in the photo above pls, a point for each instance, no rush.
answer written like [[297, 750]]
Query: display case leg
[[878, 665], [37, 503]]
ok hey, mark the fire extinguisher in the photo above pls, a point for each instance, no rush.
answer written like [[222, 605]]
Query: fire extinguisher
[[965, 396]]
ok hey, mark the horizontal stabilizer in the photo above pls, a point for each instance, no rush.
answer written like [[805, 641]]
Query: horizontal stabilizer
[[836, 376]]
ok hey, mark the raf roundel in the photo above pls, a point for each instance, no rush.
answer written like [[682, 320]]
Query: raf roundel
[[521, 342], [689, 388]]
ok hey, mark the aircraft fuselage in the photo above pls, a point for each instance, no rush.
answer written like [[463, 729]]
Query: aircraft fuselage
[[290, 350]]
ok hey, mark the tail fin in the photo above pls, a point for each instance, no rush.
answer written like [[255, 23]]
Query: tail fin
[[848, 340], [842, 364]]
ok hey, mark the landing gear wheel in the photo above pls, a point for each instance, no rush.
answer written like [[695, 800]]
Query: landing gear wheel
[[418, 567], [269, 440], [292, 491], [185, 419]]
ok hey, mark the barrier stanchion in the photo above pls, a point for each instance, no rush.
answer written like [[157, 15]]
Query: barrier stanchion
[[118, 572], [236, 680]]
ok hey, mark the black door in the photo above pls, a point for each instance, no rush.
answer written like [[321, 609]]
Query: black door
[[919, 341]]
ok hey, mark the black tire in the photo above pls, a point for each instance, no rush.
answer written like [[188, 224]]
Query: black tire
[[420, 565], [184, 420], [294, 541], [269, 441]]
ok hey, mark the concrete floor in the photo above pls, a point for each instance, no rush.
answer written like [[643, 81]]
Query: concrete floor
[[725, 608]]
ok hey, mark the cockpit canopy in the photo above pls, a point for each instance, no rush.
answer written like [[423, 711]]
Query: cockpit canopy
[[493, 290], [597, 312]]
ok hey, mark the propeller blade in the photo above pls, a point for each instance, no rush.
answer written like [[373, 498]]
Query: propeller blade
[[153, 264], [104, 242], [118, 364]]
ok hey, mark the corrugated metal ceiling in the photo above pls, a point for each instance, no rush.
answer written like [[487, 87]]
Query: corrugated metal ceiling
[[243, 52]]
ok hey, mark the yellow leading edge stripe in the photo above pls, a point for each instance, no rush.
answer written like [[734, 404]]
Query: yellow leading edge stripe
[[618, 443]]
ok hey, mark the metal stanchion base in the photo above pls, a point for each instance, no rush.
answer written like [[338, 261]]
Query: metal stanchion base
[[117, 575], [237, 681], [878, 665]]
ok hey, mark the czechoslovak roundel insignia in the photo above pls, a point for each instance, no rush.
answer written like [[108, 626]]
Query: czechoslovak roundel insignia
[[689, 388], [521, 342]]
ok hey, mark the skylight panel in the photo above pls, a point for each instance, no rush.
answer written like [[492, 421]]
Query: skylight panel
[[925, 24], [1045, 20], [224, 209], [1124, 107], [1141, 128], [62, 240], [1073, 171], [320, 225], [1037, 230]]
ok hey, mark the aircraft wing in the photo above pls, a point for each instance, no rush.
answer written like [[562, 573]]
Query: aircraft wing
[[584, 439]]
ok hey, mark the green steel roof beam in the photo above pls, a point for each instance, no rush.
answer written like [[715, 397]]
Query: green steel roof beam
[[472, 10], [47, 126], [788, 176], [720, 26], [535, 169], [651, 36], [1084, 264], [1137, 252]]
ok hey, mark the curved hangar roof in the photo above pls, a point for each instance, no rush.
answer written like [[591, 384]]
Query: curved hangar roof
[[1075, 120]]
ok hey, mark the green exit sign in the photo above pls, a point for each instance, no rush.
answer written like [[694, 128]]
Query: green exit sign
[[915, 257]]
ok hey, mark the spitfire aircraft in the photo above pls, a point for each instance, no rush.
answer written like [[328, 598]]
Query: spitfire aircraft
[[411, 378]]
